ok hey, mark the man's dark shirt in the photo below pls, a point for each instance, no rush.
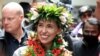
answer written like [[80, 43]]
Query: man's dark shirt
[[12, 44], [80, 49]]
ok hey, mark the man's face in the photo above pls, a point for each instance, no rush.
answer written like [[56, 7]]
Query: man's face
[[90, 33], [90, 29], [85, 16], [11, 20]]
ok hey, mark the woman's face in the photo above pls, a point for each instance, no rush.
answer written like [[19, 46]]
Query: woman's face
[[47, 30]]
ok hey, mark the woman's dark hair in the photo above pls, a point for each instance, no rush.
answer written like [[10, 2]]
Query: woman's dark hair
[[34, 27]]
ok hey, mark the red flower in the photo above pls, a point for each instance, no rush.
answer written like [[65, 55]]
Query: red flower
[[38, 50], [56, 52], [30, 42], [59, 40]]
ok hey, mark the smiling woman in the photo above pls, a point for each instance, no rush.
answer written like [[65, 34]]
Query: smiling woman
[[47, 39]]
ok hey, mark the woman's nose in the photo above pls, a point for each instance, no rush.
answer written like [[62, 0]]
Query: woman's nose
[[44, 30]]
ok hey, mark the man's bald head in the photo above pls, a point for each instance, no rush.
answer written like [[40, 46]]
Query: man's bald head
[[13, 6], [12, 16]]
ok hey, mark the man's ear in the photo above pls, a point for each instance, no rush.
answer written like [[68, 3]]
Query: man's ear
[[21, 17]]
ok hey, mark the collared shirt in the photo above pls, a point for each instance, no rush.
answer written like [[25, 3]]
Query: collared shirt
[[12, 44], [80, 49]]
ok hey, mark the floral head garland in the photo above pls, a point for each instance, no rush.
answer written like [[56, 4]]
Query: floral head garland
[[51, 12]]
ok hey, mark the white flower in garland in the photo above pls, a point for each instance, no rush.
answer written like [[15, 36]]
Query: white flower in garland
[[63, 19], [35, 14]]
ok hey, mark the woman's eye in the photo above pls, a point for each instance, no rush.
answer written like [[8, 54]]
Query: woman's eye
[[40, 25], [49, 26]]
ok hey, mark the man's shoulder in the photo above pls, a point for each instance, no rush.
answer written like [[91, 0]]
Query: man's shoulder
[[2, 41], [77, 46], [2, 37], [78, 43]]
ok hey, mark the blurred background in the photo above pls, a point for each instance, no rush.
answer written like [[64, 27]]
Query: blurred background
[[73, 4]]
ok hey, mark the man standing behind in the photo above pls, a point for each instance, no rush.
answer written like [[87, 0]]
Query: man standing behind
[[15, 35], [89, 45], [85, 12]]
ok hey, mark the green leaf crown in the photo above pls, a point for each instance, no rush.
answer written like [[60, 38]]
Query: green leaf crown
[[52, 12]]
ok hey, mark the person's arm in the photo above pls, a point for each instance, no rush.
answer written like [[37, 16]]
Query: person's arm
[[97, 9]]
